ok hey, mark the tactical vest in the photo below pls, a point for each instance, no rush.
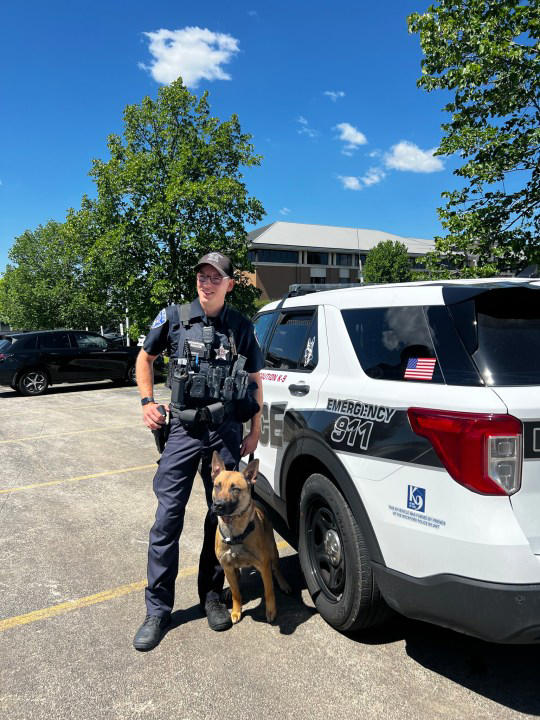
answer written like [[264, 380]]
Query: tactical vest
[[207, 377]]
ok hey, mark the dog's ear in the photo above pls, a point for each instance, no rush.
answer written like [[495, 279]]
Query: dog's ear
[[250, 473], [217, 465]]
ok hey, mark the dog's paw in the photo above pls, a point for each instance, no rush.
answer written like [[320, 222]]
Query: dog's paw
[[235, 616]]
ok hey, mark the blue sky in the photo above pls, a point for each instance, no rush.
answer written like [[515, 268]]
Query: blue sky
[[328, 91]]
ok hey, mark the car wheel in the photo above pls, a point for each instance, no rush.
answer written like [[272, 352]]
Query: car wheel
[[131, 378], [32, 382], [335, 561]]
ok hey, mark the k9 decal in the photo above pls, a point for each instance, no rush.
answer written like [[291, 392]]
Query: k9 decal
[[353, 432], [272, 424]]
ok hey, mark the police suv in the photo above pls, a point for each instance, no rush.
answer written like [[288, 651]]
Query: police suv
[[401, 445]]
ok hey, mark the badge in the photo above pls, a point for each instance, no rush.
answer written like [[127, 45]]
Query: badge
[[161, 317], [222, 353]]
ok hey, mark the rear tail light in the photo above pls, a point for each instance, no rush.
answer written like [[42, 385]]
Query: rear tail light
[[481, 452], [5, 356]]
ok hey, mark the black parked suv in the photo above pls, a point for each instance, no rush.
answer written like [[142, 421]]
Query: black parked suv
[[31, 361]]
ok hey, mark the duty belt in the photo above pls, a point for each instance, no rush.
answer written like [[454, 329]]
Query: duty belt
[[212, 415]]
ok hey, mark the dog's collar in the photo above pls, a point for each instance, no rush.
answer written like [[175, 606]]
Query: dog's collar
[[237, 539]]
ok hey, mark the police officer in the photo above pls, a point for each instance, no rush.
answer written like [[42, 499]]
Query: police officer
[[211, 334]]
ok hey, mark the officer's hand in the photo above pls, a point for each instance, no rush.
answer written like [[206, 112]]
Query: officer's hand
[[152, 418], [249, 443]]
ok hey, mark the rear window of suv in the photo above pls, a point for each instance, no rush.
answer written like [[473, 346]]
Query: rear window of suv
[[18, 342], [501, 330], [393, 343]]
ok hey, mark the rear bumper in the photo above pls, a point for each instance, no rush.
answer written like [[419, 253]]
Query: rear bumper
[[495, 612]]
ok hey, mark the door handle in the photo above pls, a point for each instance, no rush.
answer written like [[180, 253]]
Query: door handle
[[300, 389]]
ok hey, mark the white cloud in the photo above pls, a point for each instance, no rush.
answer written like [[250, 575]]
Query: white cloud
[[351, 136], [305, 128], [284, 211], [373, 176], [408, 156], [334, 94], [350, 182], [193, 53]]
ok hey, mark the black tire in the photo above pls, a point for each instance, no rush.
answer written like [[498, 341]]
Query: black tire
[[32, 382], [335, 560], [131, 378]]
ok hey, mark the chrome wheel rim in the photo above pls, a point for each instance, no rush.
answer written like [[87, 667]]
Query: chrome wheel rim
[[34, 382]]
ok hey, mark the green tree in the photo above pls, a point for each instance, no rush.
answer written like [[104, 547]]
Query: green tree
[[387, 262], [44, 285], [485, 53], [171, 190]]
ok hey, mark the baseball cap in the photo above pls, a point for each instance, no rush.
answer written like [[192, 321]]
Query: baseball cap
[[218, 261]]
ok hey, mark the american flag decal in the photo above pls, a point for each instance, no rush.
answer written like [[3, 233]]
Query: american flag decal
[[420, 369]]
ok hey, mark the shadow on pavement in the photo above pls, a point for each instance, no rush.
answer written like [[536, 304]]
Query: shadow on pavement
[[63, 389], [292, 611], [506, 674]]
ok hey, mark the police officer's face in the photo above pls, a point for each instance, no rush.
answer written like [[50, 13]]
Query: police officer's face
[[211, 293]]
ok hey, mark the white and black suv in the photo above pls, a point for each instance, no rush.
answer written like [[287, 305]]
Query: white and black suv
[[401, 445]]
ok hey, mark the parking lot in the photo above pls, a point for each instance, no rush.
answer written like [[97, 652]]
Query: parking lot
[[76, 505]]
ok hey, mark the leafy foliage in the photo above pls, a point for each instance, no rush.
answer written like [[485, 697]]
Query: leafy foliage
[[387, 262], [171, 190], [44, 286], [485, 52]]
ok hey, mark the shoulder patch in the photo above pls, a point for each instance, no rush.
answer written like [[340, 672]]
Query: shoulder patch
[[161, 317]]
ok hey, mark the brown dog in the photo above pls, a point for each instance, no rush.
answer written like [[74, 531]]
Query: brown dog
[[244, 537]]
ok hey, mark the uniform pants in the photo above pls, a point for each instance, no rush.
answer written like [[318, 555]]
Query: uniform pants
[[172, 485]]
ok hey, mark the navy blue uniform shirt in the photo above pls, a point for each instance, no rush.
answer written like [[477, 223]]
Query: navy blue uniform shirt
[[168, 333]]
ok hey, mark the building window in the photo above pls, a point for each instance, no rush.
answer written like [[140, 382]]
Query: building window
[[317, 258], [344, 259], [317, 275], [274, 256]]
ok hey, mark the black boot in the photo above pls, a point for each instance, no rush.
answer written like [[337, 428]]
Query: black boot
[[151, 631], [217, 614]]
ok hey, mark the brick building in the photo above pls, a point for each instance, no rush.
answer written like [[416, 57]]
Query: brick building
[[284, 253]]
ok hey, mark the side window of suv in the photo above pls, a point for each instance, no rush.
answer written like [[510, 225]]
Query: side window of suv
[[86, 341], [294, 343], [54, 341], [393, 343], [262, 324]]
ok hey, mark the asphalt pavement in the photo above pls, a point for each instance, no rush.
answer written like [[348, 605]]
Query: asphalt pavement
[[76, 505]]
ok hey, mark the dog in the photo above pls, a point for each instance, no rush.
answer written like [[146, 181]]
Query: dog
[[244, 536]]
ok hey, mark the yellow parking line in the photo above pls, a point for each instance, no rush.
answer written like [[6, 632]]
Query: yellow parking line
[[120, 471], [71, 432], [100, 597]]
